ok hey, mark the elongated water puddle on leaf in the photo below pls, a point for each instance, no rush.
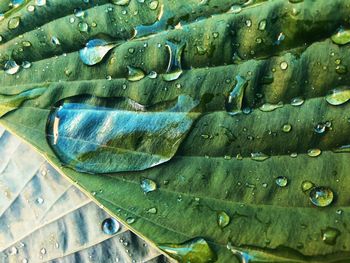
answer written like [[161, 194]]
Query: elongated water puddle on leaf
[[106, 135]]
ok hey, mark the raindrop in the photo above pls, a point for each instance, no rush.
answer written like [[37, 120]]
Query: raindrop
[[148, 185], [262, 25], [284, 65], [235, 98], [307, 186], [223, 219], [321, 196], [152, 75], [338, 96], [286, 128], [330, 235], [11, 67], [13, 251], [235, 9], [194, 250], [110, 226], [14, 22], [43, 251], [314, 152], [259, 156], [135, 74], [55, 41], [298, 101], [152, 210], [89, 136], [120, 2], [40, 2], [130, 220], [26, 64], [174, 69], [267, 107], [83, 27], [282, 181], [95, 51], [39, 200], [342, 37]]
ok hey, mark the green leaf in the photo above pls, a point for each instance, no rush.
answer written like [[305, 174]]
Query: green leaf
[[279, 121], [45, 218]]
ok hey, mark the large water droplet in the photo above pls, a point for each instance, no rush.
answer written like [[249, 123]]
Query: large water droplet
[[174, 69], [148, 185], [342, 37], [95, 51], [10, 103], [223, 219], [11, 67], [135, 74], [235, 98], [196, 250], [110, 226], [14, 22], [330, 235], [338, 96], [314, 152], [321, 196], [101, 135]]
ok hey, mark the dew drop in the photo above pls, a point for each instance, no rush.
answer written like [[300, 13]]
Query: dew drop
[[284, 65], [298, 101], [338, 96], [135, 74], [223, 219], [152, 210], [286, 128], [14, 22], [282, 181], [262, 25], [342, 37], [235, 98], [95, 51], [259, 156], [55, 41], [110, 226], [330, 235], [26, 64], [174, 70], [88, 136], [194, 250], [130, 220], [43, 251], [152, 75], [39, 200], [11, 67], [267, 107], [307, 186], [314, 152], [13, 251], [148, 185], [83, 27], [321, 196], [121, 2]]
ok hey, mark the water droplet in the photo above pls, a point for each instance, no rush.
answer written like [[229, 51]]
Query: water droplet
[[342, 37], [14, 22], [83, 27], [152, 210], [174, 70], [259, 156], [342, 149], [135, 74], [153, 5], [55, 41], [26, 64], [13, 251], [267, 107], [338, 96], [330, 235], [95, 51], [39, 200], [24, 260], [286, 127], [321, 127], [321, 196], [306, 186], [298, 101], [89, 136], [223, 219], [11, 67], [40, 2], [262, 25], [235, 9], [110, 226], [120, 2], [282, 181], [130, 220], [235, 98], [148, 185], [194, 250], [152, 75], [284, 65], [314, 152], [43, 251]]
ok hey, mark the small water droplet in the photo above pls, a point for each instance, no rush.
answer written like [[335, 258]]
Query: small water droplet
[[338, 96], [330, 235], [286, 128], [298, 101], [282, 181], [321, 196], [284, 65], [152, 210], [235, 9], [121, 2], [39, 200], [43, 251], [194, 250], [14, 22], [223, 219], [262, 25], [148, 185], [26, 64], [130, 220], [306, 186], [13, 251], [110, 226], [83, 27], [95, 51], [314, 152], [267, 107], [55, 41]]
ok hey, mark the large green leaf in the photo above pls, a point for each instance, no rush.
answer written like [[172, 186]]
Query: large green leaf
[[46, 219], [226, 56]]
